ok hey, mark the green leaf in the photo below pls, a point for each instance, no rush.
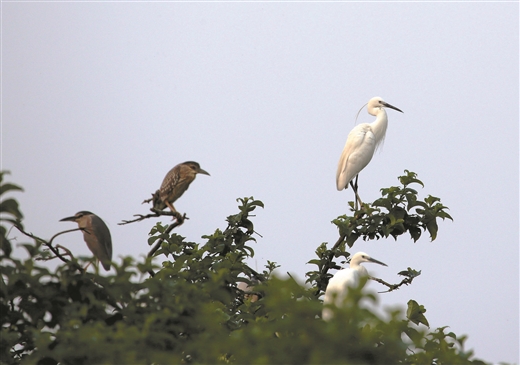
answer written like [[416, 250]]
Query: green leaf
[[432, 228], [410, 178], [10, 206], [5, 244], [351, 238], [415, 313], [8, 187], [411, 273]]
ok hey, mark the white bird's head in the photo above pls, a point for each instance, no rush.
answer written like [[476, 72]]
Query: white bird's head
[[360, 257], [376, 104]]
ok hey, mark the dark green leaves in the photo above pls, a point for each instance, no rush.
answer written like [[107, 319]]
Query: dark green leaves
[[415, 313], [193, 311], [410, 273], [410, 178], [9, 212], [396, 212]]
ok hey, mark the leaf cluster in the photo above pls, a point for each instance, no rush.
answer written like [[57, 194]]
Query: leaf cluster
[[9, 212], [397, 212], [194, 310]]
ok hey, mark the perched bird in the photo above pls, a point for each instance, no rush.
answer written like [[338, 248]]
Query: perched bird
[[249, 290], [175, 183], [95, 234], [361, 144], [339, 284]]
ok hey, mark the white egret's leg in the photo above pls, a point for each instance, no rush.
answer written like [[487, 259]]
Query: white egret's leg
[[355, 188]]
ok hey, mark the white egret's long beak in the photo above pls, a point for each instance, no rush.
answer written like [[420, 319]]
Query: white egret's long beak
[[377, 261], [391, 106]]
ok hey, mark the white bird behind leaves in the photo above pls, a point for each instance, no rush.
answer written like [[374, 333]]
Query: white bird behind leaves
[[339, 284]]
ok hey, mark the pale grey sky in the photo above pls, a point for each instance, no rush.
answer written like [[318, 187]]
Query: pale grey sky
[[100, 100]]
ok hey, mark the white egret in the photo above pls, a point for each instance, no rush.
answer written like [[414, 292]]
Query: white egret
[[361, 144], [339, 284]]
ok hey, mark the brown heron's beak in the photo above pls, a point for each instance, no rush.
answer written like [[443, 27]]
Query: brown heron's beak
[[72, 219], [204, 172]]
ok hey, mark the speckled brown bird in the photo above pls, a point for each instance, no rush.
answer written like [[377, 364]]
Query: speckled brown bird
[[96, 235], [175, 183]]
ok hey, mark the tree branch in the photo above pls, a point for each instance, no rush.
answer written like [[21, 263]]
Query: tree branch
[[166, 232], [156, 213], [55, 250], [392, 287], [325, 268]]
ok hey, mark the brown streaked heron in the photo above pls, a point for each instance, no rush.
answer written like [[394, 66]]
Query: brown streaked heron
[[175, 183], [96, 235]]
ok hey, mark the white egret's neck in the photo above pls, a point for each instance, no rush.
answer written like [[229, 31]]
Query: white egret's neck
[[361, 270], [379, 125]]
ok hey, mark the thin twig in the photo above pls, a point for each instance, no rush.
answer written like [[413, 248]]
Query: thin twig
[[327, 266], [67, 251], [159, 243], [67, 231], [166, 232], [257, 275], [392, 287], [52, 248], [333, 250], [140, 217], [55, 250]]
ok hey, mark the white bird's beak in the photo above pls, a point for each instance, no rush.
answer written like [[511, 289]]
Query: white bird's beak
[[377, 261], [384, 103]]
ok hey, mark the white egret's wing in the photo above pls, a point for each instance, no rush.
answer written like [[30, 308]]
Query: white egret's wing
[[357, 153]]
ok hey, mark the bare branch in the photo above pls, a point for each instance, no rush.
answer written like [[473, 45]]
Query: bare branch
[[392, 287], [67, 251], [157, 213], [55, 250], [60, 233]]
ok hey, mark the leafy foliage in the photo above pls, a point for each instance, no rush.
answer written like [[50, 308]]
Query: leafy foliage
[[9, 212], [397, 211], [192, 309]]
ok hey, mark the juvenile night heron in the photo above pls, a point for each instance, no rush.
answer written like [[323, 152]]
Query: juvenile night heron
[[95, 234], [361, 144], [175, 183], [249, 290], [339, 284]]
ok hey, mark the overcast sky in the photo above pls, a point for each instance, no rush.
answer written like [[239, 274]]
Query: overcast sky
[[100, 100]]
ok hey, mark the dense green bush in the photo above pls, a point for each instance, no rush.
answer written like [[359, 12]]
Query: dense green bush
[[190, 309]]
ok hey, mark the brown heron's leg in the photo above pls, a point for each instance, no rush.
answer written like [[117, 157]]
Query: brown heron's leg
[[178, 215]]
